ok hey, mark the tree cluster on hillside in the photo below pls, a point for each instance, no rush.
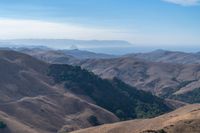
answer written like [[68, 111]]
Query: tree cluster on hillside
[[189, 97], [124, 101], [2, 125]]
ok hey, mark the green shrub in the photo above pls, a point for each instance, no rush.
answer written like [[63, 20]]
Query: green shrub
[[161, 131], [2, 125], [189, 97], [154, 131], [93, 120]]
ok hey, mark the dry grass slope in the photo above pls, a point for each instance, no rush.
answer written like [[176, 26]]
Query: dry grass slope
[[162, 79], [31, 103], [183, 120]]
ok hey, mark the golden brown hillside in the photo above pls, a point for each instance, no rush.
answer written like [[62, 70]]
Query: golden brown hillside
[[31, 103], [37, 97], [183, 120]]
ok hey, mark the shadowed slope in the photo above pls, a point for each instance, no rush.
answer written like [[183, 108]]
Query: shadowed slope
[[114, 95], [162, 79], [31, 103]]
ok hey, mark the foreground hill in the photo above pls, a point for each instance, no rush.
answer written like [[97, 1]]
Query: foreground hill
[[30, 102], [177, 81], [38, 97], [183, 120]]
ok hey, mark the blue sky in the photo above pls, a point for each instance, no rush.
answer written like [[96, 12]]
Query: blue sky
[[142, 22]]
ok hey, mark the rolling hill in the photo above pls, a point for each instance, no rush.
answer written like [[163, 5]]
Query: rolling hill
[[30, 102], [39, 97], [124, 101], [166, 80], [172, 75], [163, 73], [168, 57], [183, 120]]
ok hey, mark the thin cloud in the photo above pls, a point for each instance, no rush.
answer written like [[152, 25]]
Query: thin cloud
[[184, 2], [16, 29]]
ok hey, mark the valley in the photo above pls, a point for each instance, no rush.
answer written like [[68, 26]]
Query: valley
[[99, 66], [172, 80], [40, 97]]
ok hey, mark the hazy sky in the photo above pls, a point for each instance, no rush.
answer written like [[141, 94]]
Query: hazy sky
[[144, 22]]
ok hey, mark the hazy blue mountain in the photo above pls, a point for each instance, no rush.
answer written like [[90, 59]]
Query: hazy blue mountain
[[81, 54], [168, 57], [68, 43], [61, 56]]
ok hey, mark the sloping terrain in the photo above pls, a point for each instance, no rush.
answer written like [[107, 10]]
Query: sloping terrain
[[29, 101], [183, 120], [124, 101], [48, 55], [36, 97], [52, 56], [162, 79], [168, 57], [171, 75], [61, 56], [81, 54]]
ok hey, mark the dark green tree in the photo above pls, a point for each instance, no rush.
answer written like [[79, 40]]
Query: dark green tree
[[2, 125]]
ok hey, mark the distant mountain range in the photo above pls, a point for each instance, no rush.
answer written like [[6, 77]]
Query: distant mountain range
[[38, 97], [74, 53], [173, 75], [65, 43], [153, 72], [168, 57]]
